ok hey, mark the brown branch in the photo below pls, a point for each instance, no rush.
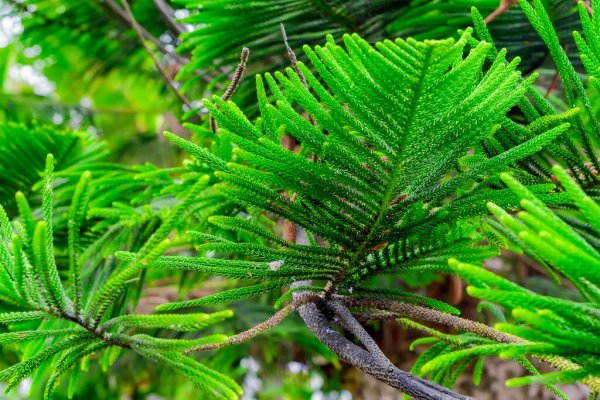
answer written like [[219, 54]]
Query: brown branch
[[138, 29], [349, 322], [274, 320], [421, 313], [456, 290], [461, 324]]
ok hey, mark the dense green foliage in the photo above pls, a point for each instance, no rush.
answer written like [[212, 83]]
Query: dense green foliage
[[372, 166]]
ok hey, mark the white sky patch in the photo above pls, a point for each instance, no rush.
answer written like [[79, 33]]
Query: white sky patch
[[10, 26]]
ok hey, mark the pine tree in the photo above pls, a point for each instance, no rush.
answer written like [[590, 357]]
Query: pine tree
[[364, 159]]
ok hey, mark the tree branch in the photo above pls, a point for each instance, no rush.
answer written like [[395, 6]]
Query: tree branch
[[169, 17], [138, 29], [347, 351], [371, 361], [113, 8], [274, 320], [421, 313], [348, 322]]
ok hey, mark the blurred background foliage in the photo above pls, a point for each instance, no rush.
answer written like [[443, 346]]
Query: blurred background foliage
[[74, 75]]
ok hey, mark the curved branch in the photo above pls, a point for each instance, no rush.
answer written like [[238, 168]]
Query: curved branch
[[347, 351], [348, 322], [275, 319], [420, 313]]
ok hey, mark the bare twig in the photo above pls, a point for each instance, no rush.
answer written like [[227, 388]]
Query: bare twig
[[274, 320], [294, 62], [292, 56], [233, 85], [421, 313], [113, 8], [169, 17], [161, 69]]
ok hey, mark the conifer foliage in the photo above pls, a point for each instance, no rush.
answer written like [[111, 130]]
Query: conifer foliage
[[369, 176], [368, 158], [75, 317]]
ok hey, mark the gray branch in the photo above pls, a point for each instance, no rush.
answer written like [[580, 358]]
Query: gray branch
[[349, 323], [347, 351], [372, 364]]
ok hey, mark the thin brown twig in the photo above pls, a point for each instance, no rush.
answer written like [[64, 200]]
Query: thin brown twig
[[552, 84], [274, 320], [554, 81], [421, 313], [292, 55], [161, 69], [294, 62]]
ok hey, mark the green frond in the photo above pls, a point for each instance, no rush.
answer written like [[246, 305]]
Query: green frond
[[154, 343], [14, 374], [175, 322], [23, 150], [227, 296], [77, 213], [15, 317], [551, 378], [211, 382], [68, 360], [370, 193]]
